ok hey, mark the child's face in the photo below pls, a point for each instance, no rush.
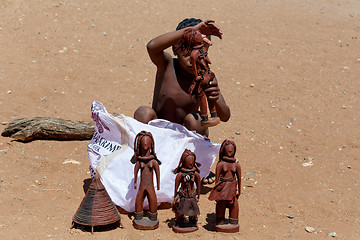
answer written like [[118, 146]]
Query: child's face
[[184, 62]]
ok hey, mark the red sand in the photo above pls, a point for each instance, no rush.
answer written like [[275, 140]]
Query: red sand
[[289, 70]]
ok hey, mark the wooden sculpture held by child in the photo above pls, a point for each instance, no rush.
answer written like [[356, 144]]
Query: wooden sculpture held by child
[[186, 198], [192, 44], [227, 188], [147, 163]]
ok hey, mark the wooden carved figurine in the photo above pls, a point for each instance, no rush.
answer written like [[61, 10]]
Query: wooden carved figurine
[[200, 61], [186, 196], [147, 163], [227, 188]]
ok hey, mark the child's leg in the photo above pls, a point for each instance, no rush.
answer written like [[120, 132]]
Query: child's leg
[[145, 114], [192, 122]]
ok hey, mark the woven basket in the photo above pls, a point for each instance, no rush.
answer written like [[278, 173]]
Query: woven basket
[[96, 208]]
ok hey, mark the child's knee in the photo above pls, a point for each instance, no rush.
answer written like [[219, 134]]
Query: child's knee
[[192, 122], [144, 114]]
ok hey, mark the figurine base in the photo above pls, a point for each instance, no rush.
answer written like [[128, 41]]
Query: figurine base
[[228, 228], [213, 121], [145, 224], [188, 229]]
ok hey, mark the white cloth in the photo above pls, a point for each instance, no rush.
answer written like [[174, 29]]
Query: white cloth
[[112, 148]]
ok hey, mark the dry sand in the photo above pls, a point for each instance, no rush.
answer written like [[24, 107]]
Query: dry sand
[[289, 70]]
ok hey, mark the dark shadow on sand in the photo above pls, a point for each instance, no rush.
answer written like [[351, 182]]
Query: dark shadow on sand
[[86, 184], [210, 222], [205, 189], [102, 228], [170, 222]]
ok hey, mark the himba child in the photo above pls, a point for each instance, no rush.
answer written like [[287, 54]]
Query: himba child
[[172, 100], [174, 76]]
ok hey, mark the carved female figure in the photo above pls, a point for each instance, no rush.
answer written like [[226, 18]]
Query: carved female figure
[[227, 188], [199, 59], [147, 163], [186, 195]]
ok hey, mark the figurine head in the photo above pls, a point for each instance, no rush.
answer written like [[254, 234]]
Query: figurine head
[[228, 149], [143, 142], [189, 22], [182, 50], [188, 161]]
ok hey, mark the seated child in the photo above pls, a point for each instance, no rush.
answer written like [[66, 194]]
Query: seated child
[[171, 100]]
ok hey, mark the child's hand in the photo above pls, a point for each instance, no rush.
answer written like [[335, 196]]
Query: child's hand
[[207, 28], [212, 90]]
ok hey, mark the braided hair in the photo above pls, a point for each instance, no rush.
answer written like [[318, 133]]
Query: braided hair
[[187, 22], [185, 154], [137, 143], [187, 43], [222, 148]]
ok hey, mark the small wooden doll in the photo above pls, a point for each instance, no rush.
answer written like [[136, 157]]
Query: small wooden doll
[[200, 61], [186, 195], [147, 163], [227, 188]]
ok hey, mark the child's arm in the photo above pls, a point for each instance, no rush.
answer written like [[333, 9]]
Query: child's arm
[[157, 45]]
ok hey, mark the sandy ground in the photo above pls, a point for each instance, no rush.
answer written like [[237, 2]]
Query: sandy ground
[[289, 70]]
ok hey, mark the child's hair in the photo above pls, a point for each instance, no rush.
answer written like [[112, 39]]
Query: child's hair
[[188, 22], [137, 142], [222, 148], [185, 154]]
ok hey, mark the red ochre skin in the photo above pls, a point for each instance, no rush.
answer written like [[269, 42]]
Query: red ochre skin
[[174, 76], [147, 163], [227, 188]]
